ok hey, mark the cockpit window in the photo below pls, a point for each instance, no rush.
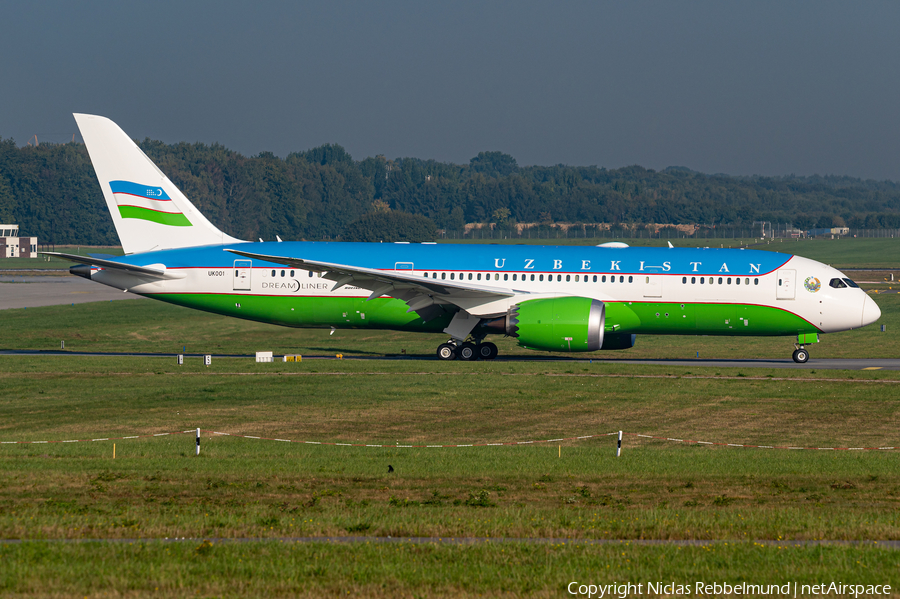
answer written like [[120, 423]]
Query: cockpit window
[[837, 283], [851, 283]]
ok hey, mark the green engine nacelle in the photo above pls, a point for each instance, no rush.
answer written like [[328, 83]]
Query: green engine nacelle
[[557, 324]]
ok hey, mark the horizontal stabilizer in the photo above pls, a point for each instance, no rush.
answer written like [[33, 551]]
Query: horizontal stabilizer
[[154, 270]]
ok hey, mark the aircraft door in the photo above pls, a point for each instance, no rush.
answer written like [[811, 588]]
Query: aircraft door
[[653, 285], [242, 270], [787, 279]]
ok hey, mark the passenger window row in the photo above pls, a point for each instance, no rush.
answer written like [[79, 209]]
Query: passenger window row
[[523, 277], [283, 273], [721, 280]]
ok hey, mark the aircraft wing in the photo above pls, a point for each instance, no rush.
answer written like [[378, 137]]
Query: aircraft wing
[[153, 270], [418, 292]]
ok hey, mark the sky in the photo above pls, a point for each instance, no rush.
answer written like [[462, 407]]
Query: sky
[[743, 88]]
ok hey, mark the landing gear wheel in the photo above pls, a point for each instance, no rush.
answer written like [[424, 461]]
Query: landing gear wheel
[[466, 351], [801, 356], [445, 351], [487, 351]]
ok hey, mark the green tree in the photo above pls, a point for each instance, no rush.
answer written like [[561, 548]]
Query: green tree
[[391, 226], [494, 164]]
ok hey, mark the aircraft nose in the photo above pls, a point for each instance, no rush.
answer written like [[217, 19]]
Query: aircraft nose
[[870, 312]]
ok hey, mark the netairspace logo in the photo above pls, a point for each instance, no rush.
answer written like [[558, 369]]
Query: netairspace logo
[[720, 589]]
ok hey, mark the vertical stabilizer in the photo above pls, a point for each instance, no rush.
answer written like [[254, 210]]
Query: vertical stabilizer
[[149, 212]]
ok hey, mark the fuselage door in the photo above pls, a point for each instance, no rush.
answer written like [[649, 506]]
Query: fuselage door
[[786, 281], [242, 272], [652, 286]]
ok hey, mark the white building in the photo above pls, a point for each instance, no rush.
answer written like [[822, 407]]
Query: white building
[[13, 246]]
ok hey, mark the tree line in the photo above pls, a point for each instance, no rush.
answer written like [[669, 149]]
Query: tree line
[[50, 190]]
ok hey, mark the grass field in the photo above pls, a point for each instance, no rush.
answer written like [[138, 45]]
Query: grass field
[[155, 488], [728, 498]]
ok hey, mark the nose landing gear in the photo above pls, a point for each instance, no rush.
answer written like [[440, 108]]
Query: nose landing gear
[[800, 355]]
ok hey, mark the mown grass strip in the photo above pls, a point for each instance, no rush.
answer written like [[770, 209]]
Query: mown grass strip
[[409, 569]]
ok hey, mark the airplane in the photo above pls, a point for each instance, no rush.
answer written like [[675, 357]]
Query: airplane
[[549, 298]]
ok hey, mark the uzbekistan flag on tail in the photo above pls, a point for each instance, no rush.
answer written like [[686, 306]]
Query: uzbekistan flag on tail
[[147, 203]]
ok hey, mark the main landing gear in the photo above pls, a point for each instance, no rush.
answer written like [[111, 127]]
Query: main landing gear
[[800, 355], [466, 351]]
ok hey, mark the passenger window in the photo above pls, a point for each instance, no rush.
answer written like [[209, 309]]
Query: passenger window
[[514, 277], [631, 279], [443, 275], [479, 276], [310, 274], [558, 278], [496, 276], [292, 273], [576, 278], [756, 281], [729, 280], [701, 280], [595, 278], [426, 275], [693, 280], [737, 280], [273, 273], [836, 283], [452, 276], [505, 277], [612, 279], [747, 281], [434, 275], [470, 276], [532, 277], [683, 280], [603, 279], [282, 273], [541, 278], [568, 278], [720, 280]]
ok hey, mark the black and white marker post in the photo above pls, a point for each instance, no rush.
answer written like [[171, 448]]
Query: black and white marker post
[[618, 445], [198, 441]]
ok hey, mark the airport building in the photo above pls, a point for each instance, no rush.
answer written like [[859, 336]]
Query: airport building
[[13, 246]]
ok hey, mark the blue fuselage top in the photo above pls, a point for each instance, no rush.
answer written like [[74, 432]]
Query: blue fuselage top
[[485, 258]]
